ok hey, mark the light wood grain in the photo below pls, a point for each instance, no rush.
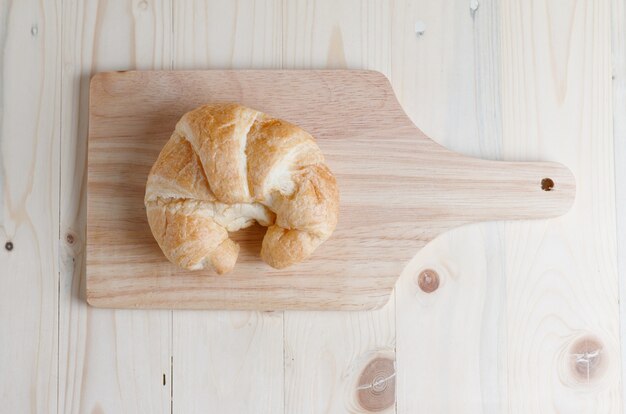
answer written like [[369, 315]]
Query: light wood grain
[[618, 48], [322, 373], [227, 361], [29, 204], [562, 315], [340, 362], [453, 336], [223, 34], [391, 203], [534, 336], [110, 361]]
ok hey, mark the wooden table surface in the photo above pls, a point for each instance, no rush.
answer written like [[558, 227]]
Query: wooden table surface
[[525, 317]]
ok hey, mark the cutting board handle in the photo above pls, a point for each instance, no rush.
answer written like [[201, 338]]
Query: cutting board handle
[[501, 190], [457, 189]]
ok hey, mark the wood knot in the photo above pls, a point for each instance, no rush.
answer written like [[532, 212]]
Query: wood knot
[[73, 245], [586, 360], [428, 280], [377, 385], [8, 246]]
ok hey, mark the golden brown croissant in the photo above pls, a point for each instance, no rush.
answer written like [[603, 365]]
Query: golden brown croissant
[[227, 166]]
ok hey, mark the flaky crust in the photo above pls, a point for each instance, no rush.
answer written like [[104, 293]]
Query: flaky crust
[[226, 167]]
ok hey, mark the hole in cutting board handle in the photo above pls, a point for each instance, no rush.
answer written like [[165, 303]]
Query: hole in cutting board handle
[[547, 184]]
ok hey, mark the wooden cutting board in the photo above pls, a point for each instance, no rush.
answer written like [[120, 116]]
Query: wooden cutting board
[[399, 190]]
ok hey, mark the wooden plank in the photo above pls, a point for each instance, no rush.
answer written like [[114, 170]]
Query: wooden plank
[[450, 298], [618, 46], [227, 361], [222, 35], [339, 361], [110, 361], [29, 204], [562, 309], [538, 327]]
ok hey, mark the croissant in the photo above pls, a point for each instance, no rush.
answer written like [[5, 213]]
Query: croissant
[[226, 167]]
